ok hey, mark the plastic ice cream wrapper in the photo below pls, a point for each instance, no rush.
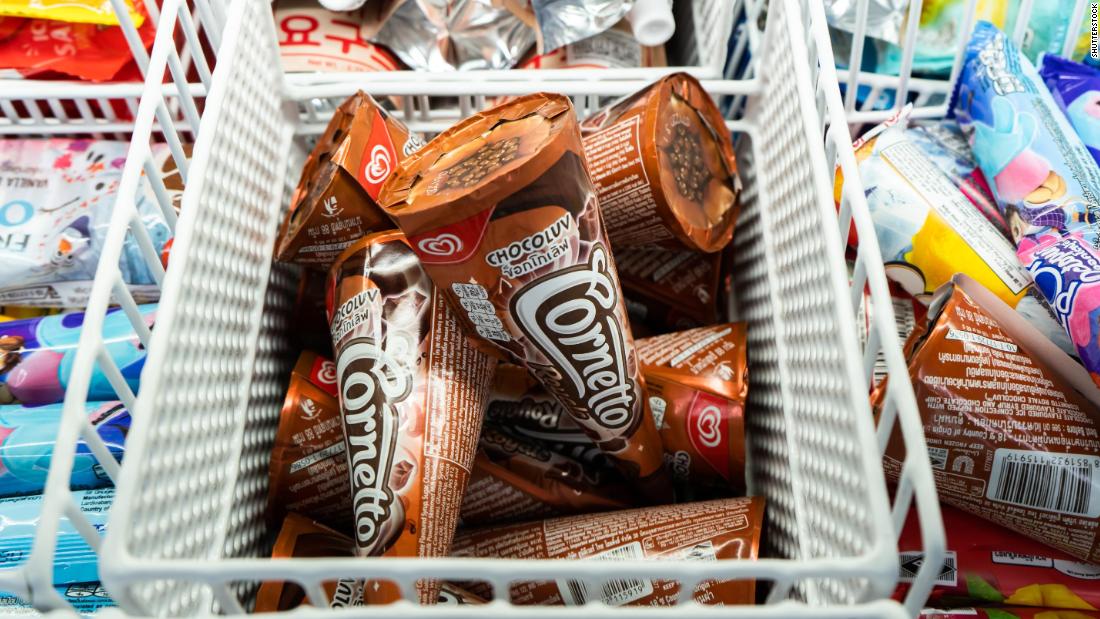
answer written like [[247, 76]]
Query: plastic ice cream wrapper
[[944, 143], [614, 48], [309, 468], [413, 392], [725, 529], [314, 39], [697, 384], [37, 356], [927, 229], [502, 213], [301, 537], [516, 479], [687, 283], [56, 200], [456, 35], [664, 169], [1044, 178], [20, 522], [987, 564], [1076, 89], [1011, 422], [561, 22], [27, 437], [335, 201], [86, 598]]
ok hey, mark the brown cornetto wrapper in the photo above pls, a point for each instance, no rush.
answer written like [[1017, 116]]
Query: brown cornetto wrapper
[[309, 472], [413, 391], [697, 383], [301, 537], [520, 405], [668, 284], [703, 530], [335, 202], [501, 211], [1011, 422], [517, 480], [663, 166]]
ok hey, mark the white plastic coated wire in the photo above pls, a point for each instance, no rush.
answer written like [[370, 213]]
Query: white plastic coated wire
[[191, 487], [930, 96]]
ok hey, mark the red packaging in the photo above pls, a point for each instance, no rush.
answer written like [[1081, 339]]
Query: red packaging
[[987, 564], [1011, 422], [314, 39], [1016, 612], [335, 204], [517, 480], [502, 213], [413, 393], [705, 531], [697, 383], [309, 472], [92, 52], [663, 165]]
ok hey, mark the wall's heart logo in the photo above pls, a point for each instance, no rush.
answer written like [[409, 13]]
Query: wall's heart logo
[[309, 408], [445, 244], [708, 425], [378, 166]]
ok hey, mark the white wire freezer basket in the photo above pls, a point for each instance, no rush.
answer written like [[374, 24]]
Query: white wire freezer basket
[[186, 533]]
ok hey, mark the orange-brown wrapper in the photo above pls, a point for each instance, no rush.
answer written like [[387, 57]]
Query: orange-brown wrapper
[[1011, 422], [697, 383], [672, 289], [335, 202], [301, 537], [517, 480], [308, 471], [706, 530], [502, 212], [413, 393], [663, 165]]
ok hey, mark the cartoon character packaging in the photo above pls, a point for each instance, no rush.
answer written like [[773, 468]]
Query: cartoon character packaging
[[1044, 178]]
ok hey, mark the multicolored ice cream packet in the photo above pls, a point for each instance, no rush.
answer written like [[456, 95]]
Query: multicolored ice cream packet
[[1044, 178]]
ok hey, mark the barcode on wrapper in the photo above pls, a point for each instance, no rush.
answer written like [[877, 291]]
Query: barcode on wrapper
[[938, 457], [1063, 483], [909, 563], [614, 592]]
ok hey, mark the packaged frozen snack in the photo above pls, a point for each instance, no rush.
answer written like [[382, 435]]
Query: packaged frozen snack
[[561, 22], [86, 598], [455, 35], [702, 531], [516, 479], [27, 437], [56, 200], [20, 522], [309, 469], [315, 39], [503, 215], [1043, 177], [987, 564], [37, 356], [1076, 89], [1011, 422], [45, 48], [413, 392], [1006, 612], [663, 167], [335, 201], [76, 11], [697, 384], [301, 537], [684, 281], [927, 229], [614, 48]]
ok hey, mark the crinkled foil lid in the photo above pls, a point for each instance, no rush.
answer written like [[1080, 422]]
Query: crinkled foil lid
[[448, 35], [885, 18], [562, 22]]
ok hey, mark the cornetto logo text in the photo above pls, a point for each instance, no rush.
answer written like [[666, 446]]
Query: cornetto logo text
[[570, 316], [373, 381], [524, 256], [545, 414]]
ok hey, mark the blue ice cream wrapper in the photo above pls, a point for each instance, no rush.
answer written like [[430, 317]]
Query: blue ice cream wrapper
[[74, 561], [1076, 89]]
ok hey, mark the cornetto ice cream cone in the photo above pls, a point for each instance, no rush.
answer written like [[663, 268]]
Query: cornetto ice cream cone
[[663, 165], [335, 201], [502, 212], [413, 393]]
